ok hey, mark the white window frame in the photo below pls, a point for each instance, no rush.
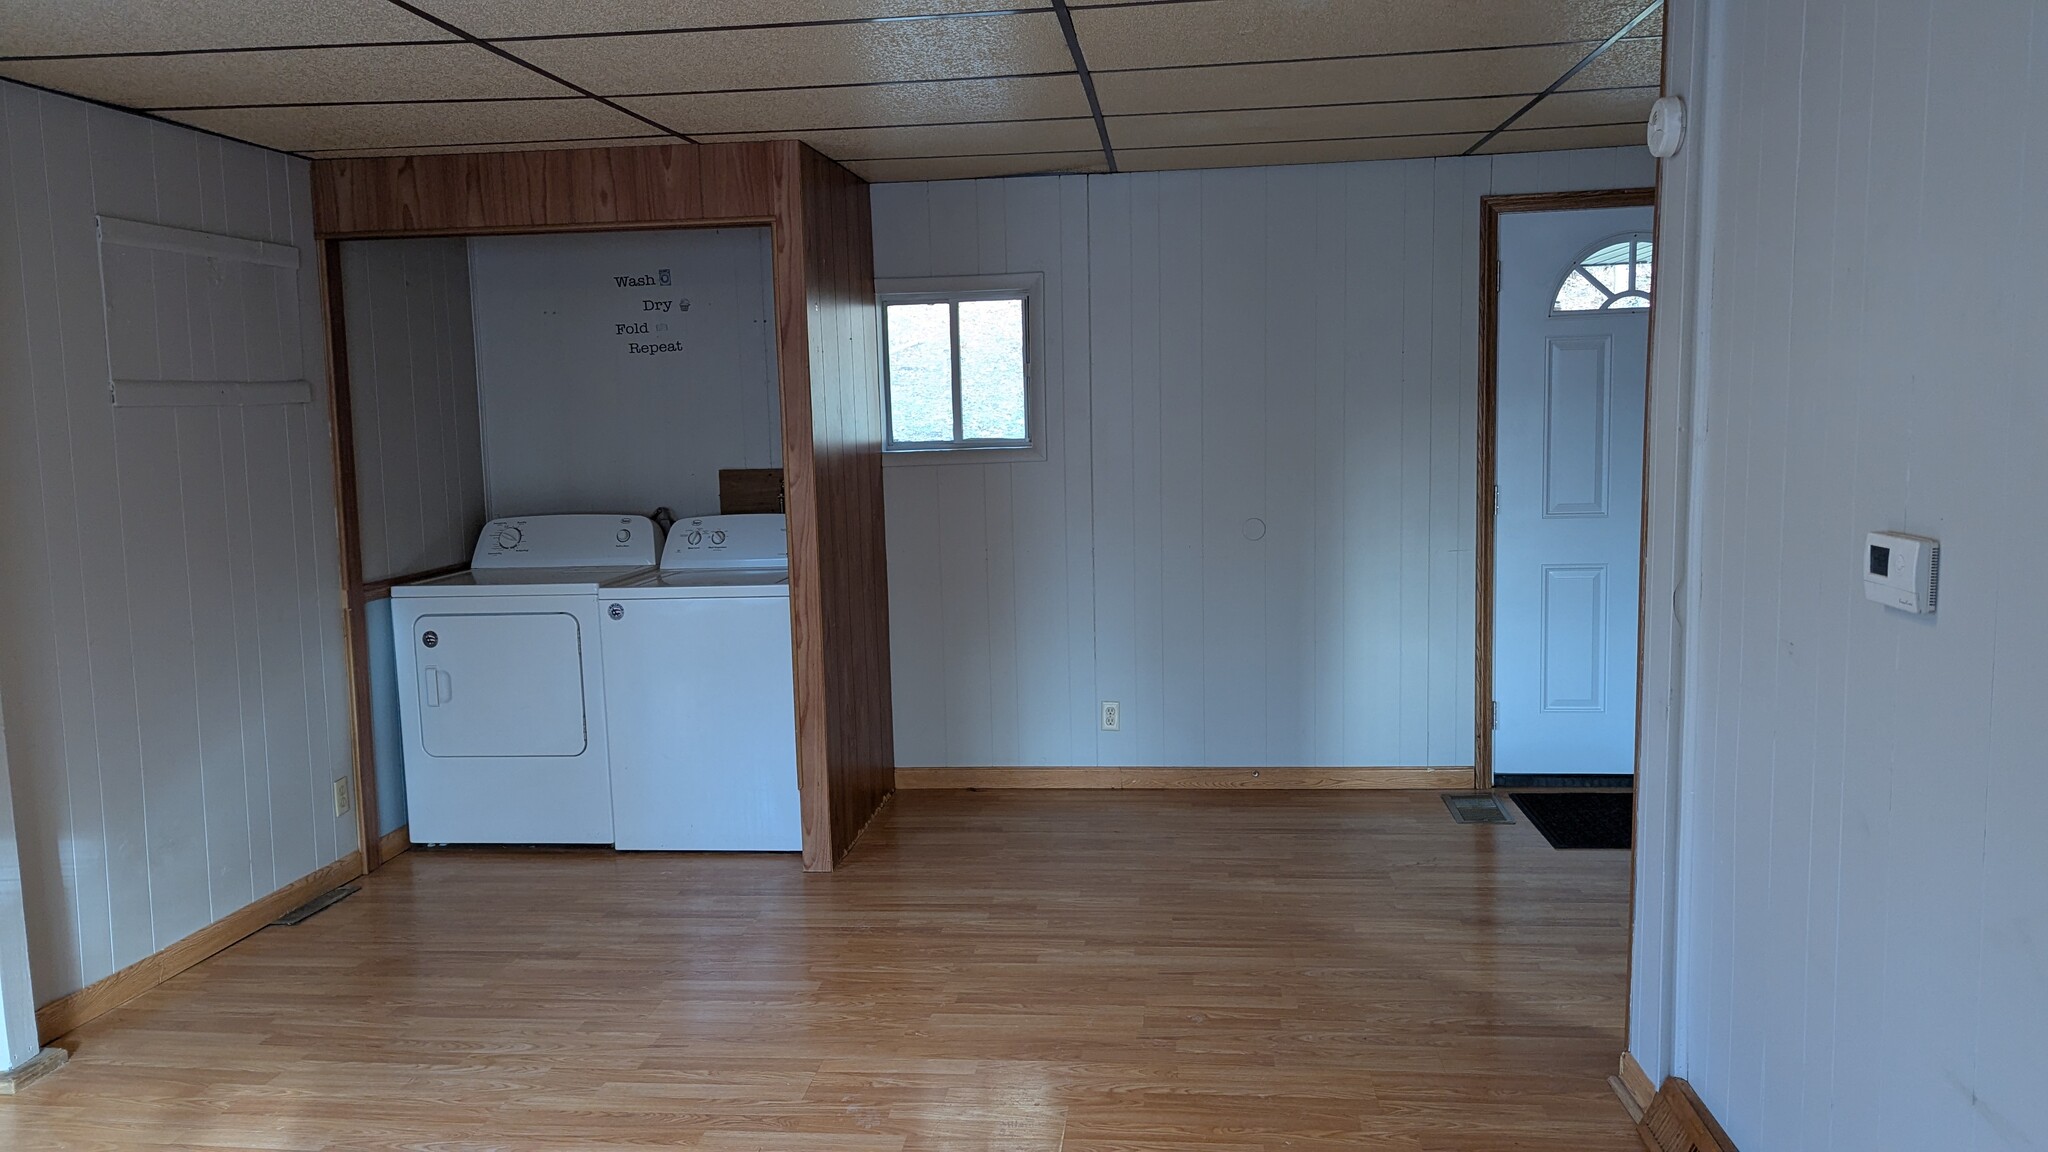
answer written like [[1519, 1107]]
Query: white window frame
[[1028, 286]]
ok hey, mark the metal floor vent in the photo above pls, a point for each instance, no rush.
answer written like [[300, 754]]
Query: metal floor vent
[[1476, 808], [317, 904]]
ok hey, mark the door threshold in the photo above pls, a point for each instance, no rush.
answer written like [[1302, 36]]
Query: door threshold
[[1588, 780]]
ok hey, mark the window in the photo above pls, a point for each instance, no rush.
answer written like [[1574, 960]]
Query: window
[[959, 364], [1615, 275]]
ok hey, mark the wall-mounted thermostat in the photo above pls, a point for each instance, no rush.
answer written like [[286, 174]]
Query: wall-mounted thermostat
[[1902, 572]]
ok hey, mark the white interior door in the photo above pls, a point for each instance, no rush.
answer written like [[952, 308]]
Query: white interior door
[[1567, 538]]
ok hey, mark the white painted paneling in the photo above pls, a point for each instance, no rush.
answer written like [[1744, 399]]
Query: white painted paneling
[[1859, 923], [170, 607], [413, 391], [1254, 524], [578, 415]]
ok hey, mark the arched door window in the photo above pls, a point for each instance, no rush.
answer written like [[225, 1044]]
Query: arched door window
[[1614, 275]]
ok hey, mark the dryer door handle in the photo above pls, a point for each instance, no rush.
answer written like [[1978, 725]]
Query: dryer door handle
[[436, 687]]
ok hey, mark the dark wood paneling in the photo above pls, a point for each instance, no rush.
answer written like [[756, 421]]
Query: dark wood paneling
[[743, 491], [830, 384]]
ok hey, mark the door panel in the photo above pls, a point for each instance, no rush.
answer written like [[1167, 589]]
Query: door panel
[[1567, 532], [505, 685]]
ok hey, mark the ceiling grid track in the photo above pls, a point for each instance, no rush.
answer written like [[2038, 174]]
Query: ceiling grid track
[[537, 70], [1619, 35], [1066, 17]]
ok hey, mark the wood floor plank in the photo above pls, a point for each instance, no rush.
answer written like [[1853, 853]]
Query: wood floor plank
[[990, 972]]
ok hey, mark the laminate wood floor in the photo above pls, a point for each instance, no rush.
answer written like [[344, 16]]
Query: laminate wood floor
[[1000, 972]]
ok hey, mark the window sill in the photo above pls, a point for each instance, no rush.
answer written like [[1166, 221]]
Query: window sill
[[892, 457]]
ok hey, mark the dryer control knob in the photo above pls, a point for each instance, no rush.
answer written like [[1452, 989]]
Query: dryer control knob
[[508, 538], [696, 538], [718, 537], [625, 534]]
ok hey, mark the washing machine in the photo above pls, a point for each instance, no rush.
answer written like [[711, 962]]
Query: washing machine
[[700, 693], [501, 683]]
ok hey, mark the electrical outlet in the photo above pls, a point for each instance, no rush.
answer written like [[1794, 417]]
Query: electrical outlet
[[1112, 715], [344, 796]]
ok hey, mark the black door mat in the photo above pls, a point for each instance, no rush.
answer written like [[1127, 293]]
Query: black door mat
[[1580, 819], [1476, 808]]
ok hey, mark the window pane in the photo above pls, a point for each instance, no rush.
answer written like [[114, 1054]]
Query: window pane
[[920, 373], [1614, 276], [1579, 295], [992, 370]]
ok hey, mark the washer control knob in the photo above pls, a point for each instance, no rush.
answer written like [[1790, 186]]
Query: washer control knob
[[625, 534], [696, 537], [509, 537], [718, 537]]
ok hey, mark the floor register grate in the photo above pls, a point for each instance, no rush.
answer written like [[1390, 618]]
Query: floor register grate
[[1476, 808], [317, 904]]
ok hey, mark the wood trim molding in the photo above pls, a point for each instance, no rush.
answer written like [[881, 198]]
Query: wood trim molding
[[1491, 208], [830, 387], [1676, 1121], [1275, 779], [67, 1013], [393, 843], [1637, 1082]]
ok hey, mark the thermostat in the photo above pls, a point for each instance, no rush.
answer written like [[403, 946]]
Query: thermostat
[[1902, 572]]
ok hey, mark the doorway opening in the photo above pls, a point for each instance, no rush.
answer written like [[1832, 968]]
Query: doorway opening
[[1564, 356]]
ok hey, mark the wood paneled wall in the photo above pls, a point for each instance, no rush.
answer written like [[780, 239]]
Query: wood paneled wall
[[1295, 346], [412, 380], [1861, 930], [171, 643], [831, 399]]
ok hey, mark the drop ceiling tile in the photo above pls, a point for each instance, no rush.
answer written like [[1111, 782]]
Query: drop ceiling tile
[[931, 102], [49, 27], [1493, 72], [971, 167], [494, 18], [413, 72], [415, 125], [806, 56], [1561, 139], [1298, 152], [944, 139], [1567, 109], [523, 146], [1230, 31], [1631, 63], [1429, 117]]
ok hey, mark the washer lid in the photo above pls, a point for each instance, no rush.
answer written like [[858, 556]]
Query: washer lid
[[567, 540]]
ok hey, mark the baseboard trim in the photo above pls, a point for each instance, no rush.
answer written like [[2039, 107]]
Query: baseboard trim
[[1640, 1088], [67, 1013], [38, 1066], [922, 779], [391, 845], [1676, 1121]]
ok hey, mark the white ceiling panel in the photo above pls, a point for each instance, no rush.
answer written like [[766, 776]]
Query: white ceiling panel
[[494, 18], [410, 72], [932, 102], [974, 167], [1300, 152], [1613, 106], [1439, 117], [365, 127], [1559, 139], [1380, 78], [1631, 63], [1228, 31], [51, 27], [807, 56], [944, 140]]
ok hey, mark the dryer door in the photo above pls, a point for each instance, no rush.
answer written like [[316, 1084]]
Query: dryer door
[[503, 684]]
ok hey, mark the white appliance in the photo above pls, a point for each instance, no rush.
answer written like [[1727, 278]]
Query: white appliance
[[700, 693], [501, 687]]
